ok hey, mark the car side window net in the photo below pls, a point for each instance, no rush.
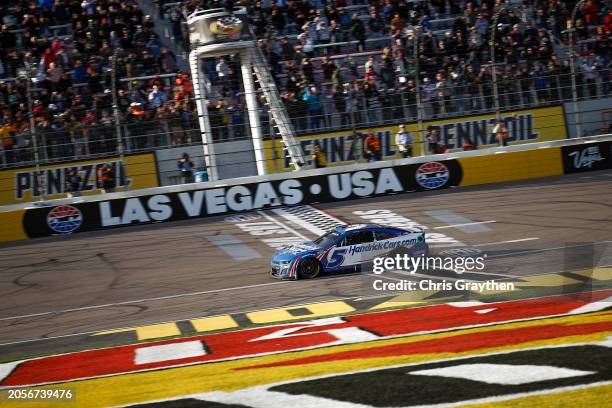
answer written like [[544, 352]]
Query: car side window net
[[381, 236], [359, 237]]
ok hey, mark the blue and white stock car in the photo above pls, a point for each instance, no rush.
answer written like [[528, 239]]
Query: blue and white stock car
[[346, 248]]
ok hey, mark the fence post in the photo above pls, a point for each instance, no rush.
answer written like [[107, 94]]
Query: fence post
[[27, 74]]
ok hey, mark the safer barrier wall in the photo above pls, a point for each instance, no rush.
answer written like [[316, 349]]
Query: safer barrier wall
[[503, 167], [11, 226], [346, 147], [310, 186], [23, 185]]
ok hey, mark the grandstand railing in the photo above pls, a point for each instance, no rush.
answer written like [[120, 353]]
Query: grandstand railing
[[392, 106]]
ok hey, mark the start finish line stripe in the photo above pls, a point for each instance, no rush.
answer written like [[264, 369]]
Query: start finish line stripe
[[457, 221], [297, 336], [234, 247]]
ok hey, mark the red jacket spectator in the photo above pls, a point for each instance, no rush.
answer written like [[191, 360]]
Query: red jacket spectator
[[591, 12], [607, 20], [48, 57], [370, 73]]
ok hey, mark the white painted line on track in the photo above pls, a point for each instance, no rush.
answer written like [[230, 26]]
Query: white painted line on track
[[434, 277], [506, 242], [465, 224], [594, 307], [256, 310], [280, 224], [488, 273], [199, 316], [373, 275], [508, 397], [129, 302], [452, 219], [260, 397], [529, 251]]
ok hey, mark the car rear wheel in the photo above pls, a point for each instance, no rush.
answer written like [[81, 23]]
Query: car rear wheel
[[309, 268]]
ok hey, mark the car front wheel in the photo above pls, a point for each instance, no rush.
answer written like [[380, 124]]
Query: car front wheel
[[309, 268]]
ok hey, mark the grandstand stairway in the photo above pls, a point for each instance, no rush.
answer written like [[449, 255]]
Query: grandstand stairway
[[278, 113]]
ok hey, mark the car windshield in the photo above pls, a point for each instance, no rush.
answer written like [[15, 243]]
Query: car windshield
[[327, 239]]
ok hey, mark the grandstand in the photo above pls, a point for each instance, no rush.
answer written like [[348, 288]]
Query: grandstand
[[77, 78]]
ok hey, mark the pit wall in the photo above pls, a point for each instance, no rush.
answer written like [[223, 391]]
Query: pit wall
[[163, 204]]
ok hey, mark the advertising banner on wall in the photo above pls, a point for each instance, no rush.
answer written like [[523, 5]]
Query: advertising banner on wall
[[88, 216], [587, 157], [346, 147], [27, 184]]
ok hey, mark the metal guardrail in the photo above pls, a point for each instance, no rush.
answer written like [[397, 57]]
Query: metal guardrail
[[305, 173], [98, 141]]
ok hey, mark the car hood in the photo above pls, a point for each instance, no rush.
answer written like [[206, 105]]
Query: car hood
[[291, 251]]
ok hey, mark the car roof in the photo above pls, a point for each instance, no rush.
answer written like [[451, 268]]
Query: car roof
[[341, 229], [356, 227]]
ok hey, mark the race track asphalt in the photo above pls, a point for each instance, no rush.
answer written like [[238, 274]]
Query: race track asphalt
[[65, 286]]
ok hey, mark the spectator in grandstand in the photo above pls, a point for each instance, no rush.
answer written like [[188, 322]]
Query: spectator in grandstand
[[323, 34], [372, 100], [501, 133], [222, 71], [167, 61], [327, 102], [403, 140], [106, 178], [344, 103], [73, 183], [376, 25], [358, 32], [318, 157], [589, 70], [371, 147], [308, 40], [186, 166], [307, 71], [157, 97], [358, 98], [7, 139], [433, 140], [313, 100]]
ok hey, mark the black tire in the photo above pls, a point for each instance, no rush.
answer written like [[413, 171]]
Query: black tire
[[309, 268]]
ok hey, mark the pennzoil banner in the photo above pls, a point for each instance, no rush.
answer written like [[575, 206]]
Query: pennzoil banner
[[27, 184], [346, 147]]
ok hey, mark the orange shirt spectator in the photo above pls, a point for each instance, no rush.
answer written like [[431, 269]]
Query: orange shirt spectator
[[6, 137], [371, 147]]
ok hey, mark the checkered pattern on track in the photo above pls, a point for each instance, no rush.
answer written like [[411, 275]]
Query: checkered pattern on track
[[314, 217]]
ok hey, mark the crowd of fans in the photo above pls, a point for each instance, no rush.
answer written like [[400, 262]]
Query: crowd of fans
[[67, 48], [338, 64]]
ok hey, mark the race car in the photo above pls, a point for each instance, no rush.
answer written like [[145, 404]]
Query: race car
[[346, 248]]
